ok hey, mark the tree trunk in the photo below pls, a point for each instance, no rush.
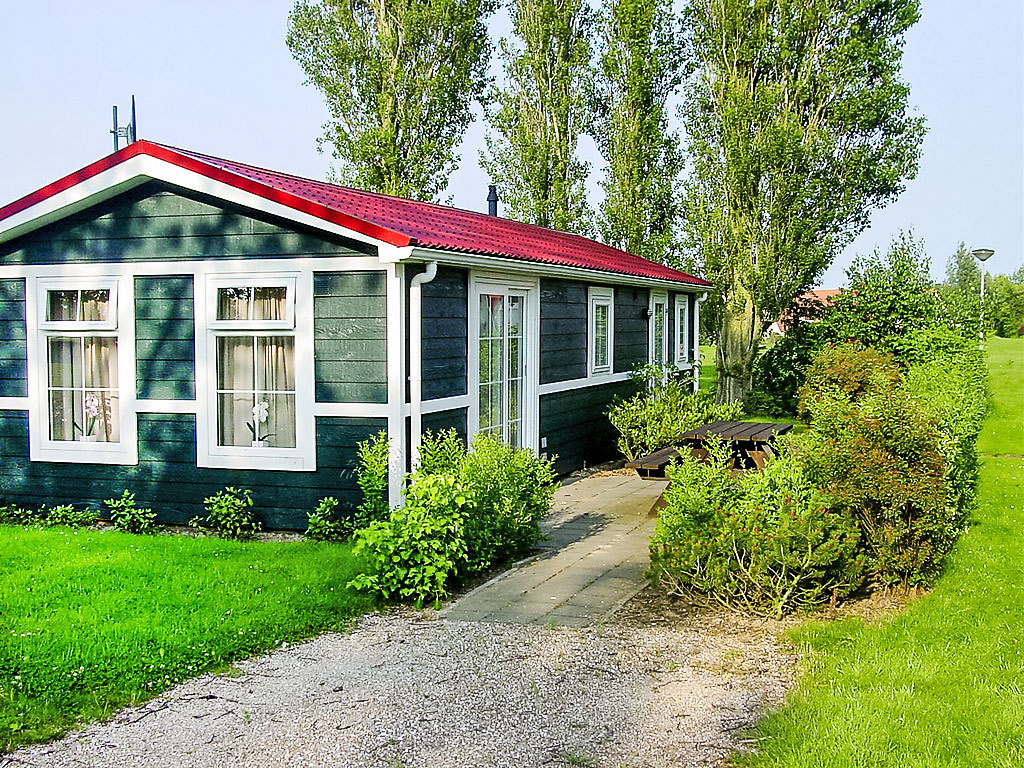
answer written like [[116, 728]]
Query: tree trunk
[[739, 332]]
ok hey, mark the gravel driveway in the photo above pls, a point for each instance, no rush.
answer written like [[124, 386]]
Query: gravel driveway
[[657, 686]]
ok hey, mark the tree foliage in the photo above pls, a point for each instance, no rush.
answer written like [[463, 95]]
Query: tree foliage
[[798, 126], [640, 66], [541, 113], [399, 78]]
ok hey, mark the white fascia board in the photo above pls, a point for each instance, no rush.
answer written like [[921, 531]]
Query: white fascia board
[[142, 168], [537, 268]]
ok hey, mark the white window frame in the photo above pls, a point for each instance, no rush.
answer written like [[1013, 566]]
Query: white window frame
[[298, 323], [119, 325], [682, 335], [600, 297], [658, 297], [529, 289]]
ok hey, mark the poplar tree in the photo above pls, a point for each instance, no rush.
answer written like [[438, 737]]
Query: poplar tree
[[541, 113], [399, 78], [640, 66], [797, 126]]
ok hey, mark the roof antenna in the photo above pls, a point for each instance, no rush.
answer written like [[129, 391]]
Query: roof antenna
[[128, 132]]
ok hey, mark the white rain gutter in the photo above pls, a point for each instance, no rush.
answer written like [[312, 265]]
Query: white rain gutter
[[416, 359], [696, 336]]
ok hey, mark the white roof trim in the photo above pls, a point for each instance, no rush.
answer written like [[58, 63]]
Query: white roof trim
[[138, 170]]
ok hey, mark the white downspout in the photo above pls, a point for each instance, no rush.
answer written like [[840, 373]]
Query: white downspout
[[696, 338], [416, 359]]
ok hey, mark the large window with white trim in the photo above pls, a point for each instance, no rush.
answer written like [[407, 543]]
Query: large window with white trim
[[600, 329], [682, 340], [80, 341], [254, 335], [658, 338]]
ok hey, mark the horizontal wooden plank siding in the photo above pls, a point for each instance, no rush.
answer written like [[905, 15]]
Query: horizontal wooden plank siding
[[350, 336], [445, 332], [563, 330], [167, 479], [158, 222], [576, 425], [13, 349], [442, 420], [631, 326], [165, 338]]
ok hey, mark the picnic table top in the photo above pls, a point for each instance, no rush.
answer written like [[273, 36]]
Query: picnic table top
[[754, 431]]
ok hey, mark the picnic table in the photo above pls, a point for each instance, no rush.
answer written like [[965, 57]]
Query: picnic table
[[751, 443]]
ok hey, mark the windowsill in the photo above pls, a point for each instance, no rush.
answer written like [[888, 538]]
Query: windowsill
[[81, 452], [256, 458]]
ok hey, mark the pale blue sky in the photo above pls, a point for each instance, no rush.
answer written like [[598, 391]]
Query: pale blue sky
[[216, 77]]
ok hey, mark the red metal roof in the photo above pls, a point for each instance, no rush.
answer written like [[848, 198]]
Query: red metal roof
[[394, 220]]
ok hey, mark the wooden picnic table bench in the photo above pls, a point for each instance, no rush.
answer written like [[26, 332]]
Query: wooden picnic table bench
[[750, 442]]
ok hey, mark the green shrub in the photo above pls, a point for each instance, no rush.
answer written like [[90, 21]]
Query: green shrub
[[657, 416], [509, 491], [441, 452], [65, 514], [880, 458], [372, 478], [229, 513], [12, 514], [415, 554], [848, 370], [127, 517], [325, 524], [766, 542]]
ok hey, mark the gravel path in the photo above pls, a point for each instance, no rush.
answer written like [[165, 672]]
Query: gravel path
[[656, 687]]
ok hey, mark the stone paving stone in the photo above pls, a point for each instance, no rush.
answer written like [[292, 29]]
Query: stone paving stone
[[594, 561]]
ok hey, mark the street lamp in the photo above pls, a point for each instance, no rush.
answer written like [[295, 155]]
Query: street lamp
[[982, 255]]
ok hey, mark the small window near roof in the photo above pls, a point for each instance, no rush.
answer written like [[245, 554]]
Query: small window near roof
[[600, 324]]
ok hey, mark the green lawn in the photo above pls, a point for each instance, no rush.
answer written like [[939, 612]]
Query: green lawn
[[942, 684], [93, 620]]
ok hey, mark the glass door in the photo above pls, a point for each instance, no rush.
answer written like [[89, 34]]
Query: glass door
[[502, 367]]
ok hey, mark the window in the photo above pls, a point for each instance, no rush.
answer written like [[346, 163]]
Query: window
[[659, 328], [80, 362], [254, 347], [600, 323], [79, 330], [682, 329]]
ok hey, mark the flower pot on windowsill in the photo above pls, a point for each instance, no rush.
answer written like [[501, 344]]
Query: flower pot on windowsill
[[260, 443], [88, 438]]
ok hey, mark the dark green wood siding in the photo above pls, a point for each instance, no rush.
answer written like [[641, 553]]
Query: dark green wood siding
[[631, 324], [563, 330], [445, 332], [576, 425], [454, 419], [167, 480], [158, 222], [13, 350], [350, 337], [165, 337]]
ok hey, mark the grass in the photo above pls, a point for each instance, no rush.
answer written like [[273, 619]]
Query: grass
[[93, 620], [940, 685]]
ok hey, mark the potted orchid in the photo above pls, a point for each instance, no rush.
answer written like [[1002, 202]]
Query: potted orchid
[[260, 413], [92, 415]]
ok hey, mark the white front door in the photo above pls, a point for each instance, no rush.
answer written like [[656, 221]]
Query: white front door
[[503, 392]]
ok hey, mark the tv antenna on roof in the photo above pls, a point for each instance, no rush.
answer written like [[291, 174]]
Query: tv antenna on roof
[[127, 132]]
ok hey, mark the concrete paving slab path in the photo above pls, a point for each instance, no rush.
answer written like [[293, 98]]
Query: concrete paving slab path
[[592, 561]]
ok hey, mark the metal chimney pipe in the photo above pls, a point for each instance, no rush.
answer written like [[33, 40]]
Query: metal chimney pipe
[[492, 200]]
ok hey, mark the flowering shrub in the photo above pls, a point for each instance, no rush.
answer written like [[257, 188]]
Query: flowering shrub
[[767, 542]]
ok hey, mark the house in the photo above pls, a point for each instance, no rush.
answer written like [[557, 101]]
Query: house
[[805, 308], [173, 323]]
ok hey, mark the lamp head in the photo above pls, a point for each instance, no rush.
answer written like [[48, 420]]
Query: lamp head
[[982, 254]]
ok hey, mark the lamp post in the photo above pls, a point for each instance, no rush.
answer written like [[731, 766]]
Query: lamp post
[[982, 255]]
